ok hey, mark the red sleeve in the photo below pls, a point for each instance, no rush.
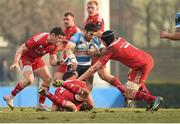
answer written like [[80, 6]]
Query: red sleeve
[[30, 44], [106, 57]]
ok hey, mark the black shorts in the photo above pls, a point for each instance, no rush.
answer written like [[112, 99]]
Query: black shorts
[[81, 69]]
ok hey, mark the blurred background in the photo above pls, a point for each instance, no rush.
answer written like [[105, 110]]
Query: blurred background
[[138, 21]]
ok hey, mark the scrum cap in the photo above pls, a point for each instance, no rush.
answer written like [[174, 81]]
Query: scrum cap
[[108, 37]]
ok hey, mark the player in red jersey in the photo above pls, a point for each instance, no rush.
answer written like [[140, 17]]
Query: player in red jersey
[[70, 30], [70, 27], [94, 16], [72, 94], [29, 57], [139, 61]]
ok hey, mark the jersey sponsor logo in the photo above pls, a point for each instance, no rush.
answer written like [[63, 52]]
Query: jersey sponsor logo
[[41, 46], [61, 90]]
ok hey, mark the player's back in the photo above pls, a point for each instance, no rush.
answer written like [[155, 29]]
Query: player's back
[[126, 53], [63, 93], [38, 46], [77, 82]]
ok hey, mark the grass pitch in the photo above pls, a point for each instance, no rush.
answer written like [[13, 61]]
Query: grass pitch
[[113, 115]]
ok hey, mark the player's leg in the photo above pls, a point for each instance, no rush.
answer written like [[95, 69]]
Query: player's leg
[[42, 71], [145, 73], [59, 100], [28, 78], [81, 69], [140, 95], [60, 72], [106, 76], [58, 76]]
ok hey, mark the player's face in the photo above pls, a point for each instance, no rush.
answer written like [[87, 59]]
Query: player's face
[[55, 39], [92, 9], [68, 21], [89, 35]]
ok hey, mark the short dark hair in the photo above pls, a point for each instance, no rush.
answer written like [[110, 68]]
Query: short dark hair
[[57, 31], [69, 74], [108, 37], [69, 13], [91, 27]]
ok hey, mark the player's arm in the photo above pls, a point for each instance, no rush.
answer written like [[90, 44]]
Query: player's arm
[[18, 56], [169, 35], [90, 71], [70, 55], [54, 61], [96, 66], [53, 56]]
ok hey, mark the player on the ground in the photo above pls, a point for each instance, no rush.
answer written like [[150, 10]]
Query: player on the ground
[[70, 30], [29, 57], [72, 94], [139, 61]]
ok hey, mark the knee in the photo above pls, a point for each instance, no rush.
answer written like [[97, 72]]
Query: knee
[[106, 77], [29, 80], [47, 80]]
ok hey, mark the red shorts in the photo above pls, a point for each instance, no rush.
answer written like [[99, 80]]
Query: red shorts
[[139, 75], [34, 63]]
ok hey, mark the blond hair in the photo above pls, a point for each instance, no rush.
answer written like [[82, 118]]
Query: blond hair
[[93, 2]]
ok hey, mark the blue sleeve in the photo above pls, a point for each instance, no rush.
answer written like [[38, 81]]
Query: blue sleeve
[[76, 37], [96, 42]]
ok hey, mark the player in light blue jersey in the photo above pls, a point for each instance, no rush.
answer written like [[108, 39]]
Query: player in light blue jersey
[[77, 50]]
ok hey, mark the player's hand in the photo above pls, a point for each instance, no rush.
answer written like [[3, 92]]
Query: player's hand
[[98, 34], [58, 83], [164, 34], [73, 65], [14, 66], [60, 62]]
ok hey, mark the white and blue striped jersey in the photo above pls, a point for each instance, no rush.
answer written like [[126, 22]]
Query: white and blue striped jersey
[[81, 49]]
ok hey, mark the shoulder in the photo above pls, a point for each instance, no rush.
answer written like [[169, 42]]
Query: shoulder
[[40, 36], [100, 18], [76, 37]]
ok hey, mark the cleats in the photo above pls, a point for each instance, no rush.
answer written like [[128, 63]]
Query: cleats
[[42, 91], [9, 101], [156, 104], [42, 107], [129, 103]]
